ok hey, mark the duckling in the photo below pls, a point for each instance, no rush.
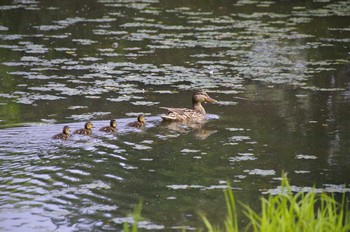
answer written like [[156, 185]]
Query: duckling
[[87, 130], [110, 129], [196, 114], [140, 121], [64, 135]]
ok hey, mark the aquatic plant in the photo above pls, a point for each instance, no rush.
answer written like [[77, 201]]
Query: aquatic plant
[[286, 211], [136, 215], [303, 211], [231, 221]]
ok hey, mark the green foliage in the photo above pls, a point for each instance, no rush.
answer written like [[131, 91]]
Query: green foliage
[[289, 212], [136, 216], [285, 212], [231, 221]]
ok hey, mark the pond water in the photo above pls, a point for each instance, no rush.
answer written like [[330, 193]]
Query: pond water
[[279, 69]]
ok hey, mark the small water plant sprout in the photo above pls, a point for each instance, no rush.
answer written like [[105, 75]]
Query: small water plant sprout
[[303, 211]]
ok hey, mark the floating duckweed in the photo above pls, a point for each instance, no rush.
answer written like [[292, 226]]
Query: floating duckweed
[[261, 172]]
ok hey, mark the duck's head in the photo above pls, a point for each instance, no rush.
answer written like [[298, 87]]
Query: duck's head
[[141, 118], [200, 97], [89, 126], [66, 130], [113, 123]]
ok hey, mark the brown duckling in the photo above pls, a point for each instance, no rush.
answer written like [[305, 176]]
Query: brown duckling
[[87, 130], [196, 114], [111, 128], [140, 121], [64, 135]]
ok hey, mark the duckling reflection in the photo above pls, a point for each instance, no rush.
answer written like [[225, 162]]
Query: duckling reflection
[[87, 130], [111, 128], [64, 135], [184, 115], [141, 121]]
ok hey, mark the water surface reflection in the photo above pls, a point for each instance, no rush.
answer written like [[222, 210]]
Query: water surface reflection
[[280, 71]]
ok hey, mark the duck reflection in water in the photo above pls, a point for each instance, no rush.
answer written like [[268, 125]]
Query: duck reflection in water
[[197, 128], [183, 119], [185, 115]]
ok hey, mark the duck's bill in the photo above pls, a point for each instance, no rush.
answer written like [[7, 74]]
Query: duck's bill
[[209, 99]]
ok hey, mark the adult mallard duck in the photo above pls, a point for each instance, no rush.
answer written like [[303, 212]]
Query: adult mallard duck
[[196, 114], [64, 135], [87, 130], [139, 123], [111, 128]]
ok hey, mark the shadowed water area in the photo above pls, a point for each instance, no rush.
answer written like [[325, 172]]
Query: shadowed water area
[[279, 70]]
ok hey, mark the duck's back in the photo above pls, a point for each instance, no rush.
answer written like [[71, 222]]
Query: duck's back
[[83, 132], [61, 136], [135, 124], [182, 115], [108, 129]]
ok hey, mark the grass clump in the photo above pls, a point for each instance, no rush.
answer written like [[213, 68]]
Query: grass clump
[[136, 215], [304, 211], [231, 221]]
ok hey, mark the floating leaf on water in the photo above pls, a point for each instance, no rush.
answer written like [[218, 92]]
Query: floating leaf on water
[[50, 121], [235, 129], [3, 28], [227, 103], [141, 147], [261, 172], [146, 159], [120, 99], [164, 91], [314, 88], [92, 59], [78, 172], [98, 184], [99, 207], [144, 103], [302, 156], [76, 107], [243, 157], [49, 27], [239, 138], [114, 177], [329, 189], [301, 171], [84, 41], [336, 188], [88, 116], [69, 21], [184, 186], [189, 151]]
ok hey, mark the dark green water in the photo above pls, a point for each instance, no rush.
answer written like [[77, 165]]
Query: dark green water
[[279, 70]]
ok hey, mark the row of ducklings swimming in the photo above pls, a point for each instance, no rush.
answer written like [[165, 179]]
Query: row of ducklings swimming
[[87, 130], [182, 115]]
